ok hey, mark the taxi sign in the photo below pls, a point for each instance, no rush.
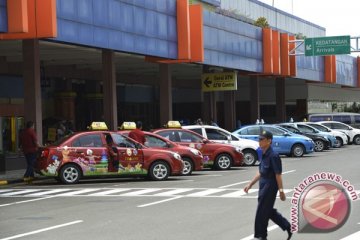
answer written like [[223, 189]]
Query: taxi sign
[[98, 126], [173, 124], [128, 126]]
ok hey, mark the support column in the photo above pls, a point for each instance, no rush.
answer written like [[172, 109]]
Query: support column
[[109, 89], [230, 110], [165, 93], [32, 86], [301, 109], [254, 99], [209, 108], [280, 100]]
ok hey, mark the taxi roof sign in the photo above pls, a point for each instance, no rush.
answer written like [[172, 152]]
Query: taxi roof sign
[[173, 124], [128, 126], [98, 126]]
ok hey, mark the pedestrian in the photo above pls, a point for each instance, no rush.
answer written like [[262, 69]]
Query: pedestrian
[[270, 181], [213, 123], [113, 162], [137, 134], [29, 145]]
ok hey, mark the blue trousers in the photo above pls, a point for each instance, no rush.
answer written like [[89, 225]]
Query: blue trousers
[[265, 209], [30, 161]]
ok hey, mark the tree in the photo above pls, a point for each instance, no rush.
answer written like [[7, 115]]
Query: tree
[[262, 22]]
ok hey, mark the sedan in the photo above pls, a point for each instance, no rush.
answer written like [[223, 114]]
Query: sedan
[[283, 142]]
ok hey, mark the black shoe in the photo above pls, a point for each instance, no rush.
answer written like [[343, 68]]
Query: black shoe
[[289, 233]]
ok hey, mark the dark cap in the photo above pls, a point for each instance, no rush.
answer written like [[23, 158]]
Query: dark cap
[[266, 134]]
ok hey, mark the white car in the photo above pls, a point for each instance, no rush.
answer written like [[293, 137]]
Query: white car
[[353, 133], [341, 138], [217, 134]]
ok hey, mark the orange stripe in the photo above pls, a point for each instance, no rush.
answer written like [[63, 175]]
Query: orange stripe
[[41, 20], [183, 29], [284, 54], [333, 69], [196, 33], [358, 72], [328, 69], [46, 18], [276, 51], [17, 16], [292, 58], [267, 51]]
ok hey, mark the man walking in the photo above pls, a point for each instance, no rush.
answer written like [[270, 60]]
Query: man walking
[[29, 145], [269, 174]]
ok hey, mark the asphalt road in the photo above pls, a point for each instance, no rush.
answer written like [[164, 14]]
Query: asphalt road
[[208, 205]]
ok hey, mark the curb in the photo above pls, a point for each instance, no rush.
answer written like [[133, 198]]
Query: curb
[[7, 182]]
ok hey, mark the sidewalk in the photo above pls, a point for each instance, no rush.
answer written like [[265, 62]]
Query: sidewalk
[[12, 176]]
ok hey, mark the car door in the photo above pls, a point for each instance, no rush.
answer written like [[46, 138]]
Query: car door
[[217, 135], [130, 153]]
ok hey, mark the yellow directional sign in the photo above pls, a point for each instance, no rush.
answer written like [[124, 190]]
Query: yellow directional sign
[[218, 81]]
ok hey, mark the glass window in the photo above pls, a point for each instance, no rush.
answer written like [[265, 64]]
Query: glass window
[[122, 141], [152, 141], [253, 130], [305, 129], [180, 136], [214, 134], [343, 118], [274, 131], [197, 130], [340, 126], [189, 137], [357, 119], [319, 127], [290, 128], [320, 118], [91, 140]]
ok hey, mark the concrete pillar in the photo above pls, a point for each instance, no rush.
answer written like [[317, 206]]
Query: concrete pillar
[[280, 100], [301, 109], [209, 108], [230, 110], [32, 86], [165, 82], [254, 99], [109, 89]]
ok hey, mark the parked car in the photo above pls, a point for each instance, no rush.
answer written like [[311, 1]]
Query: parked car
[[219, 135], [283, 142], [321, 142], [352, 119], [341, 138], [84, 154], [216, 155], [193, 158], [353, 133]]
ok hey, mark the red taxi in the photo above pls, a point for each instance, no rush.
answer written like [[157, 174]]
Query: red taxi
[[217, 155], [85, 154], [193, 159]]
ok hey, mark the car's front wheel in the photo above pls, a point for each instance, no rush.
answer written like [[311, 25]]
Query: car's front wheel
[[70, 174], [356, 140], [339, 142], [297, 150], [319, 146], [223, 161], [188, 166], [159, 170], [250, 157]]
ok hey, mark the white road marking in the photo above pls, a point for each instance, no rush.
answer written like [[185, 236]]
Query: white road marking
[[205, 192], [273, 227], [109, 192], [19, 192], [31, 200], [354, 236], [238, 183], [153, 203], [289, 172], [173, 192], [49, 192], [239, 193], [79, 192], [140, 192], [5, 190], [42, 230]]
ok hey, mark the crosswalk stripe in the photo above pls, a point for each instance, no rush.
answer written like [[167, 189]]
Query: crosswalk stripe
[[141, 192], [19, 192], [5, 190], [239, 193], [205, 192], [174, 192], [79, 192], [46, 192], [110, 192]]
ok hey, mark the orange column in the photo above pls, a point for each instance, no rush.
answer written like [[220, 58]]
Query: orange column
[[358, 72], [333, 69], [267, 51], [284, 54], [328, 69], [183, 29], [17, 11], [196, 33], [276, 52]]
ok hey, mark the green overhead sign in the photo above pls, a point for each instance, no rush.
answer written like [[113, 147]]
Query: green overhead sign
[[327, 46]]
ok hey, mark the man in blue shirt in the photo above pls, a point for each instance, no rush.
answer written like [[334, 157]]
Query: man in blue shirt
[[269, 174]]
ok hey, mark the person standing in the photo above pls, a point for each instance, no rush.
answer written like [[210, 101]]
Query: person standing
[[29, 145], [270, 180], [137, 134]]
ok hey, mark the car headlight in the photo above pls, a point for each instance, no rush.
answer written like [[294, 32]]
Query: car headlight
[[238, 149], [177, 156], [195, 152]]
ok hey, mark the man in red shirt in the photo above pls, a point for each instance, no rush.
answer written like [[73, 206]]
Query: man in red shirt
[[137, 134], [29, 145]]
